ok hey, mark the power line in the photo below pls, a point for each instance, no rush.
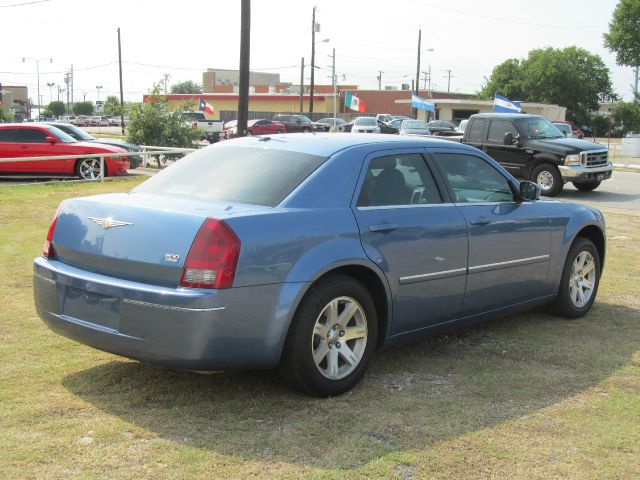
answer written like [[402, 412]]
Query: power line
[[23, 4]]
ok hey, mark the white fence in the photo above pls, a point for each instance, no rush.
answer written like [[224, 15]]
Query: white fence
[[147, 151]]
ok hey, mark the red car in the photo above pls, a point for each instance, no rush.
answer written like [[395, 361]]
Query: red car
[[38, 140], [258, 127]]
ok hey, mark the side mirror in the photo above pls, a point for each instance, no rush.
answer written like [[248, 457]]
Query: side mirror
[[51, 140], [298, 121], [508, 139], [529, 191]]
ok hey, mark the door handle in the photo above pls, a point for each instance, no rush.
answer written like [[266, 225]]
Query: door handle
[[383, 227], [480, 221], [24, 147]]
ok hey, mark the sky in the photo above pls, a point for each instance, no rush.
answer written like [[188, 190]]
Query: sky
[[183, 38]]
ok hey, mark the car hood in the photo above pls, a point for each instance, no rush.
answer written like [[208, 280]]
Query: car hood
[[131, 147], [563, 146], [96, 147], [415, 131]]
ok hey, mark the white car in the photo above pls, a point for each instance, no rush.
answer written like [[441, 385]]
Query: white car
[[365, 125]]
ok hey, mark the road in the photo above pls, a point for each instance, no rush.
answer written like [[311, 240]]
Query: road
[[621, 191]]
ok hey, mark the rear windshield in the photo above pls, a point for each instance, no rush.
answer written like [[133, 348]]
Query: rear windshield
[[414, 124], [251, 175], [366, 121]]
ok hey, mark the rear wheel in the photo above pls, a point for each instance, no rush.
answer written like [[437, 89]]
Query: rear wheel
[[580, 280], [586, 186], [548, 177], [331, 339], [305, 130], [89, 168]]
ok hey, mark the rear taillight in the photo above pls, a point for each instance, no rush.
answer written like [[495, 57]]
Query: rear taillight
[[49, 251], [213, 257]]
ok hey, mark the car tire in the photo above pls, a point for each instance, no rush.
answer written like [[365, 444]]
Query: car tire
[[579, 282], [89, 168], [305, 130], [332, 338], [548, 177], [586, 186], [249, 134]]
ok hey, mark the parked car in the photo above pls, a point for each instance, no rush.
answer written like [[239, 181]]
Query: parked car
[[442, 127], [309, 253], [258, 127], [346, 127], [385, 117], [365, 125], [39, 140], [212, 130], [387, 128], [115, 121], [462, 125], [298, 123], [82, 136], [80, 121], [414, 127], [328, 123], [97, 121], [531, 147]]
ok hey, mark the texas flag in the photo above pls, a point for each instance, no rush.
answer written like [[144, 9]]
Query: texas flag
[[354, 103], [206, 107]]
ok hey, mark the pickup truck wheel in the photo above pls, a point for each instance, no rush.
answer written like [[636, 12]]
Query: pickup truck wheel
[[579, 282], [586, 186], [331, 339], [548, 177]]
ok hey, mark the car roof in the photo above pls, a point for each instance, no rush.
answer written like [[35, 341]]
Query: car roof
[[326, 144], [505, 115], [26, 125]]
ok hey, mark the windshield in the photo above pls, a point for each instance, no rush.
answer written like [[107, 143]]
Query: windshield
[[60, 135], [236, 174], [537, 127], [304, 119], [75, 132], [366, 121], [414, 125], [563, 127]]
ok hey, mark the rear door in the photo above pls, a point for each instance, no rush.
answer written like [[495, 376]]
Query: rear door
[[509, 241], [474, 133], [9, 149], [415, 235]]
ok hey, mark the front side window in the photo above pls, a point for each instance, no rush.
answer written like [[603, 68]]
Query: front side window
[[498, 129], [472, 179], [538, 127], [398, 180]]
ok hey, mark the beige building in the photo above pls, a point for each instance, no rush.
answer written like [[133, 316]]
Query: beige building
[[219, 80], [15, 100]]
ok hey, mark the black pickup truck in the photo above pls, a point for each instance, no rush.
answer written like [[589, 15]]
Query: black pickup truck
[[530, 147]]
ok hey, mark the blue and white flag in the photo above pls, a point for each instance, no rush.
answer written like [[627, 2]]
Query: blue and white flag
[[504, 105], [422, 103]]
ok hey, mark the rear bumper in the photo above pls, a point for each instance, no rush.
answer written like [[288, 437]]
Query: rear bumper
[[581, 174], [178, 328], [118, 166]]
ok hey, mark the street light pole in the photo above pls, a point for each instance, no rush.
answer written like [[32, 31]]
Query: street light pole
[[98, 87], [37, 60], [313, 58], [50, 85]]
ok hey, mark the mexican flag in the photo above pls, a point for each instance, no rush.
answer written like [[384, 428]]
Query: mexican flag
[[354, 103]]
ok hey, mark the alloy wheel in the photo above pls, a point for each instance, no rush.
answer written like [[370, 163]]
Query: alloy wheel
[[582, 279]]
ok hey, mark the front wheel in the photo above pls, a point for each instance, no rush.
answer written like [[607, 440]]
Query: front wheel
[[332, 338], [548, 177], [579, 282], [586, 186], [89, 168]]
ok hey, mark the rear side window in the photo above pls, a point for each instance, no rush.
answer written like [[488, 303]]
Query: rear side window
[[498, 129], [7, 135], [235, 174], [30, 135], [476, 130], [398, 180]]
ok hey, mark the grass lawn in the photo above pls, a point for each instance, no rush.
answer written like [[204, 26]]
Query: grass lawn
[[528, 396]]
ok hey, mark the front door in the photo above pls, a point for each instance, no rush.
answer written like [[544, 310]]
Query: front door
[[509, 242], [511, 157], [414, 236]]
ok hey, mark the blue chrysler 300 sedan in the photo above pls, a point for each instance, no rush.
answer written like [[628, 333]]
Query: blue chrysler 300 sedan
[[309, 252]]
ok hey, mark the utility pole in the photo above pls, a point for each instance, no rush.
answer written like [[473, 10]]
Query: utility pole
[[166, 80], [417, 84], [636, 72], [313, 57], [72, 84], [448, 80], [302, 85], [429, 89], [380, 72], [335, 83], [426, 78], [245, 46], [121, 92]]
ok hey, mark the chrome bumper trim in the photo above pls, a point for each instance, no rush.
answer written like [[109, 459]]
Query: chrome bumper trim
[[170, 307]]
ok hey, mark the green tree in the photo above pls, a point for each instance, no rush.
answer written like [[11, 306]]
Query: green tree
[[56, 108], [112, 106], [153, 123], [4, 116], [186, 87], [627, 116], [624, 33], [572, 77], [505, 79], [83, 108]]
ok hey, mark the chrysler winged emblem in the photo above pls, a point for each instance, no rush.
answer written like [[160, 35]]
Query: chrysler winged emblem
[[109, 222]]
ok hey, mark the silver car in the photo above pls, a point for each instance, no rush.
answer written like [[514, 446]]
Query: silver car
[[365, 125], [414, 127]]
